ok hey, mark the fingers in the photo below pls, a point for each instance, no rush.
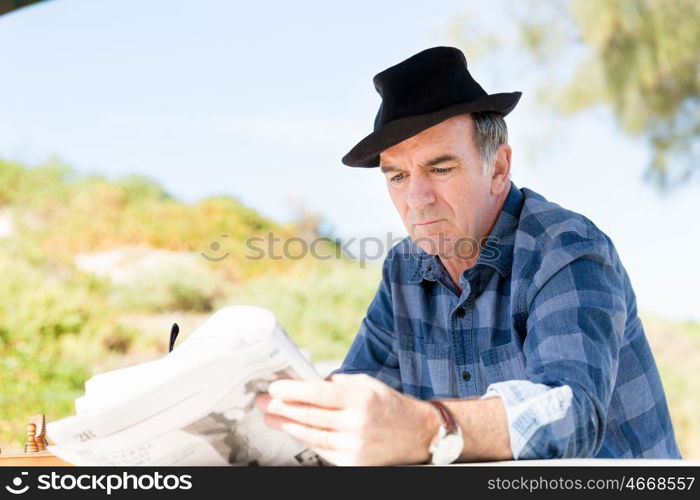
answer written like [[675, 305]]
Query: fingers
[[317, 393], [322, 439], [344, 377], [305, 414]]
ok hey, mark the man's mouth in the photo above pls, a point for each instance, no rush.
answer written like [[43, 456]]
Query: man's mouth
[[427, 221]]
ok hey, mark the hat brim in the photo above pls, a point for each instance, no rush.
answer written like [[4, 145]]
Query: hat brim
[[366, 152]]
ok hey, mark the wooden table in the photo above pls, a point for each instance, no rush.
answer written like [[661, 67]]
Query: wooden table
[[38, 459]]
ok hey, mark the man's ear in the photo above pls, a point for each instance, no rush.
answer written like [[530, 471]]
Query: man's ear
[[501, 170]]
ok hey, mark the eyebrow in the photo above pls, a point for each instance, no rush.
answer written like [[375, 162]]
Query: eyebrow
[[430, 163]]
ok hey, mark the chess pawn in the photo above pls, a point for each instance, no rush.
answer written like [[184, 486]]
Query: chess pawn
[[40, 437], [31, 446]]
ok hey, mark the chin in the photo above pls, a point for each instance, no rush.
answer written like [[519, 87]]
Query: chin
[[435, 242], [428, 243]]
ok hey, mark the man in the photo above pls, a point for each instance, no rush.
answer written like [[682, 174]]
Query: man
[[504, 327]]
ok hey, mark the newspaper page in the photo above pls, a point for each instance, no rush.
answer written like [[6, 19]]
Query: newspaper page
[[194, 406]]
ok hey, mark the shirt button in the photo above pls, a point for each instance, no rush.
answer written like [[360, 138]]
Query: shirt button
[[460, 313], [466, 376]]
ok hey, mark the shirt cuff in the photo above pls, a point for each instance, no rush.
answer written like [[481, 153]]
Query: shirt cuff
[[531, 408]]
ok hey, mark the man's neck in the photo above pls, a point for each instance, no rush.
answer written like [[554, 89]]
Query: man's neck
[[455, 266]]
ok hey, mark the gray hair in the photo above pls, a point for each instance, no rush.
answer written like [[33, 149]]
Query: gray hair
[[490, 131]]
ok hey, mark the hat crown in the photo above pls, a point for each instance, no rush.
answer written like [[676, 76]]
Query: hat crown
[[420, 92], [425, 82]]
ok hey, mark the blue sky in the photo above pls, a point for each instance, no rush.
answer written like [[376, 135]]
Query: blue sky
[[261, 100]]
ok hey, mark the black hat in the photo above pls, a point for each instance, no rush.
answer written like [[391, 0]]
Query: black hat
[[420, 92]]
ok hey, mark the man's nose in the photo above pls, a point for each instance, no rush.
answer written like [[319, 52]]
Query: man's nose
[[420, 192]]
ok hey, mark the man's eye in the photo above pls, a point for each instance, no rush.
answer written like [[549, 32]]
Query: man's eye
[[396, 178], [443, 171]]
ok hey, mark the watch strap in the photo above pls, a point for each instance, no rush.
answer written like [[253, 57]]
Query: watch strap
[[448, 421]]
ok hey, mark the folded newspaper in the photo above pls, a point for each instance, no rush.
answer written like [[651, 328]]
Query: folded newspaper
[[194, 406]]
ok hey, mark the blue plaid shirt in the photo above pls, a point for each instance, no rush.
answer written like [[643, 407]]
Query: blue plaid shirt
[[547, 320]]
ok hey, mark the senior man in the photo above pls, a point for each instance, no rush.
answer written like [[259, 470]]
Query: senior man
[[505, 326]]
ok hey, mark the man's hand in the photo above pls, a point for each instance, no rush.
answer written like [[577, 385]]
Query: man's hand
[[352, 419]]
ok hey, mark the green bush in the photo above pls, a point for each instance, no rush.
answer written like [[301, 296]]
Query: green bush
[[320, 305], [42, 308], [170, 281]]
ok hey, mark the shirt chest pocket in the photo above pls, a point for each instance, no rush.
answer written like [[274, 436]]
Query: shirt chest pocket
[[427, 369], [503, 362]]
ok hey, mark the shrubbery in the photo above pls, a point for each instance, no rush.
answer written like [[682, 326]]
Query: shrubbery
[[61, 319]]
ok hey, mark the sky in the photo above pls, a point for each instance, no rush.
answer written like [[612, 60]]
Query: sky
[[260, 100]]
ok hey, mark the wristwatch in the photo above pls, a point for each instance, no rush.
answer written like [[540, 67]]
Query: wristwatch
[[449, 443]]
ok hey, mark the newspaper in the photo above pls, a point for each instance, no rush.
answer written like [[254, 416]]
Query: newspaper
[[194, 406]]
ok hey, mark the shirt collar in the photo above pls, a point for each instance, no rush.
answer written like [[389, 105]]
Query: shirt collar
[[496, 253]]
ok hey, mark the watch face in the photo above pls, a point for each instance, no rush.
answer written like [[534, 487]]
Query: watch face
[[448, 449]]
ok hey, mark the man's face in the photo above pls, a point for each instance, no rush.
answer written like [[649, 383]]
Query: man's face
[[437, 183]]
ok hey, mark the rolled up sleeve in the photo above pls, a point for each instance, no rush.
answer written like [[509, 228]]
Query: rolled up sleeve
[[576, 321]]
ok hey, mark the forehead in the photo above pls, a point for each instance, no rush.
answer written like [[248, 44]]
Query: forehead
[[452, 135]]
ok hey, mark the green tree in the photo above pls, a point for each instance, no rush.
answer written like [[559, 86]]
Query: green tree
[[640, 59]]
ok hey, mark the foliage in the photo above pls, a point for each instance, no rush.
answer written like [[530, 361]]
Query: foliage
[[59, 324], [320, 306], [639, 59], [42, 309]]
